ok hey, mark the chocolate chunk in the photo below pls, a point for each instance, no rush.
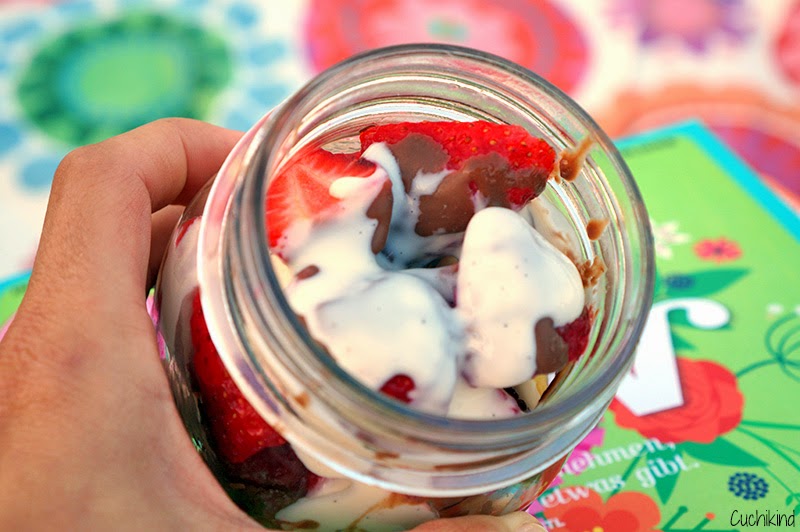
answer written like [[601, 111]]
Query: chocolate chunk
[[484, 179], [500, 185], [381, 210], [572, 161], [308, 271], [418, 153], [449, 209], [595, 228], [591, 271], [551, 349]]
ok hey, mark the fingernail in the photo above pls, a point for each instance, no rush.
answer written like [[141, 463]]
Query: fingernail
[[522, 522]]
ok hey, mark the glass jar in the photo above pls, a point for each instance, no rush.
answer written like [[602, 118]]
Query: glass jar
[[354, 457]]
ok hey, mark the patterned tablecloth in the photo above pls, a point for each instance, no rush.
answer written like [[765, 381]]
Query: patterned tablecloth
[[77, 71]]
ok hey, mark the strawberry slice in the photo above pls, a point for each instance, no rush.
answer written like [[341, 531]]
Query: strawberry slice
[[301, 190], [576, 333], [235, 426], [399, 387]]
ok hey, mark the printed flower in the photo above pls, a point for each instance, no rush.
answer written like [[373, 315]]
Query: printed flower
[[627, 511], [719, 250], [787, 45], [537, 34], [748, 486], [774, 309], [665, 236], [764, 131], [696, 23], [77, 71], [712, 406]]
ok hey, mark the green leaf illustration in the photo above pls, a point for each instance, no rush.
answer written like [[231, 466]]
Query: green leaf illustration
[[666, 486], [797, 509], [721, 451], [680, 344], [789, 499], [706, 283], [659, 291]]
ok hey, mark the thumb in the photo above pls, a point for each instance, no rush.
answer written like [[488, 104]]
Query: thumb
[[513, 522]]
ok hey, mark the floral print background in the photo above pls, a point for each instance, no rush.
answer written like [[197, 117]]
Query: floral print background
[[78, 71]]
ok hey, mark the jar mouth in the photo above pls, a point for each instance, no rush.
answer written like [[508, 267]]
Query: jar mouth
[[498, 83]]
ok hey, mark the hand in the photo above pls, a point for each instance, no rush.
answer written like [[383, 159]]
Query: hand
[[89, 435]]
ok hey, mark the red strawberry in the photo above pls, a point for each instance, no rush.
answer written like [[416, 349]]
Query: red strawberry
[[236, 427], [301, 190], [276, 467], [399, 387], [576, 333]]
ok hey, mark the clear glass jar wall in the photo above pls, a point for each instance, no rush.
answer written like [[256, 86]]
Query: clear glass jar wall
[[342, 454]]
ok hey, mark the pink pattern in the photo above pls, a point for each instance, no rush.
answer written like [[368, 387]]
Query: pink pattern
[[533, 33], [787, 45], [593, 439], [694, 22]]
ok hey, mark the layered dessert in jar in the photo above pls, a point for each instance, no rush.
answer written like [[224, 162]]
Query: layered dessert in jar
[[418, 261]]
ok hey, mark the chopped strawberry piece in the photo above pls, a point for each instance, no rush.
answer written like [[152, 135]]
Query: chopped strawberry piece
[[301, 190], [276, 467], [464, 140], [576, 333], [518, 196], [399, 387], [235, 426]]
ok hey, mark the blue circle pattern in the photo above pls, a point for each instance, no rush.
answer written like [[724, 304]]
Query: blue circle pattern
[[77, 8], [21, 30], [679, 282], [748, 486], [265, 53], [9, 137], [37, 174], [243, 15]]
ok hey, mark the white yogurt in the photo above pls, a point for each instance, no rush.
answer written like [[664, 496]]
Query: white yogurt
[[509, 278], [462, 333]]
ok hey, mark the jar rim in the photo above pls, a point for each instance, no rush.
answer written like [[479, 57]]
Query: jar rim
[[470, 433]]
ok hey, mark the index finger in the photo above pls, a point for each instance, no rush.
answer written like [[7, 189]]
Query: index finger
[[96, 240]]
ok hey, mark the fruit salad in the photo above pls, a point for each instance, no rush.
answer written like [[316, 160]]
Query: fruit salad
[[416, 264]]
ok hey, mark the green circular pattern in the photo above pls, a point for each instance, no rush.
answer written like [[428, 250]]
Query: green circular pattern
[[103, 79]]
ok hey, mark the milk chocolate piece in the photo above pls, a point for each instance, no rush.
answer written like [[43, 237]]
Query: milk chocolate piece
[[485, 179], [415, 153], [308, 271], [571, 161], [595, 228], [591, 271], [449, 209], [551, 349], [381, 210]]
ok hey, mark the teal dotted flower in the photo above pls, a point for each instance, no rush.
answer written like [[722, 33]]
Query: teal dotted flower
[[748, 486], [103, 79]]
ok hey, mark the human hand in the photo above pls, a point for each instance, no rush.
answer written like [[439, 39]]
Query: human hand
[[89, 435]]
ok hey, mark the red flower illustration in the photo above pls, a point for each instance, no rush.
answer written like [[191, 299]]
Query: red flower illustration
[[719, 250], [712, 406], [627, 511]]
